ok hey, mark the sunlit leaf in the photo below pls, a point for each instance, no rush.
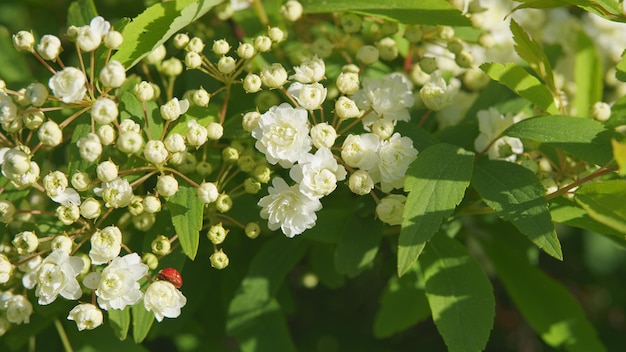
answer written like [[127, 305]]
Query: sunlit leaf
[[81, 12], [119, 319], [186, 210], [604, 202], [588, 75]]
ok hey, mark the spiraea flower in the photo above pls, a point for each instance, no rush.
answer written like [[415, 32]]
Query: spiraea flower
[[361, 151], [117, 285], [389, 210], [317, 174], [288, 209], [309, 96], [310, 71], [116, 193], [87, 316], [491, 124], [437, 94], [283, 135], [388, 98], [395, 155], [68, 85], [106, 244], [56, 275], [164, 300], [49, 47], [18, 309]]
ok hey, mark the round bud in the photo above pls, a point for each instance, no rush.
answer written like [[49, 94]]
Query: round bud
[[107, 134], [252, 83], [389, 210], [428, 64], [223, 203], [201, 97], [219, 260], [383, 128], [129, 142], [464, 59], [197, 134], [113, 40], [221, 47], [262, 173], [181, 40], [292, 10], [49, 47], [81, 181], [25, 242], [144, 221], [262, 43], [251, 185], [161, 245], [36, 94], [486, 40], [172, 275], [475, 79], [151, 204], [323, 135], [348, 82], [230, 155], [350, 23], [217, 234], [167, 185], [250, 120], [274, 76], [245, 51], [446, 33], [155, 152], [175, 143], [215, 131], [246, 163], [195, 44], [387, 48], [207, 192], [193, 60], [150, 260], [23, 41], [455, 46], [171, 67], [276, 34], [50, 133], [322, 47], [62, 243], [204, 168], [104, 111], [113, 74], [90, 208], [601, 111], [135, 207], [360, 182], [7, 211], [413, 33], [367, 54], [106, 171], [346, 108], [143, 91], [226, 65], [253, 230]]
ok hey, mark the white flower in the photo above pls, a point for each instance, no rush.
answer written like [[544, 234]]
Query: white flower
[[283, 135], [6, 268], [116, 193], [155, 152], [197, 134], [129, 142], [167, 185], [117, 285], [389, 210], [104, 111], [106, 244], [172, 110], [8, 109], [436, 94], [175, 143], [491, 124], [30, 176], [309, 96], [346, 108], [207, 192], [318, 174], [56, 275], [49, 47], [360, 182], [89, 147], [361, 151], [323, 135], [25, 242], [395, 155], [18, 309], [348, 82], [238, 5], [86, 315], [36, 94], [164, 300], [50, 133], [113, 74], [7, 211], [274, 76], [310, 71], [68, 84], [100, 25], [389, 98], [288, 209]]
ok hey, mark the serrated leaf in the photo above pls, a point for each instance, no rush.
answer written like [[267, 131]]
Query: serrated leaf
[[581, 137], [459, 294], [186, 210], [358, 245], [619, 153], [119, 319], [402, 304], [605, 8], [434, 12], [546, 305], [529, 50], [517, 196], [131, 107], [255, 296], [604, 202], [436, 182], [588, 75], [566, 212], [81, 12], [522, 83], [620, 73], [142, 322], [157, 24]]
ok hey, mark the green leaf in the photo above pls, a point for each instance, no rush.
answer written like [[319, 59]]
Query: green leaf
[[619, 152], [203, 116], [516, 195], [119, 319], [402, 304], [604, 202], [157, 24], [323, 266], [267, 332], [358, 245], [13, 65], [131, 107], [142, 322], [621, 68], [522, 83], [584, 138], [81, 12], [548, 306], [255, 297], [434, 12], [436, 182], [459, 294], [186, 210], [608, 9], [566, 212], [588, 75], [529, 50]]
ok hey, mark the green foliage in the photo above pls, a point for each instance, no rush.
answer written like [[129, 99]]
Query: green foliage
[[132, 108], [358, 245], [142, 322], [186, 210], [604, 202], [120, 322], [81, 12], [588, 75]]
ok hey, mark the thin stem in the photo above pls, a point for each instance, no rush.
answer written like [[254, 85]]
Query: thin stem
[[74, 117], [44, 62], [598, 173], [145, 116], [64, 340], [225, 104], [174, 171]]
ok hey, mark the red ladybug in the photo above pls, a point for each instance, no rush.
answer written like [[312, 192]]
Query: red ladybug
[[172, 275]]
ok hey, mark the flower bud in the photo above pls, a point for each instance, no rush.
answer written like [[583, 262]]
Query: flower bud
[[25, 242], [350, 23], [181, 40], [62, 243], [167, 185], [348, 82], [113, 74], [150, 260], [175, 143], [129, 142], [113, 40], [88, 38], [171, 67], [23, 41], [230, 155], [274, 76], [455, 46], [360, 182], [601, 111], [475, 79], [197, 135], [221, 47], [246, 163], [68, 214], [322, 47], [215, 131], [200, 97], [90, 208], [251, 185], [87, 316], [16, 162], [464, 59], [217, 234], [252, 83], [245, 51], [107, 134], [223, 203], [161, 245], [428, 64], [89, 147], [323, 135], [81, 181], [33, 120], [6, 269], [413, 33], [387, 48], [144, 221], [389, 210], [156, 56], [104, 111], [226, 65], [262, 43], [276, 34], [155, 152], [383, 128], [250, 120], [196, 45], [204, 168], [36, 94], [346, 108], [50, 133], [143, 91], [253, 230], [292, 10], [207, 192], [7, 211], [367, 54], [172, 110], [193, 60], [486, 40], [219, 260], [106, 171], [262, 173]]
